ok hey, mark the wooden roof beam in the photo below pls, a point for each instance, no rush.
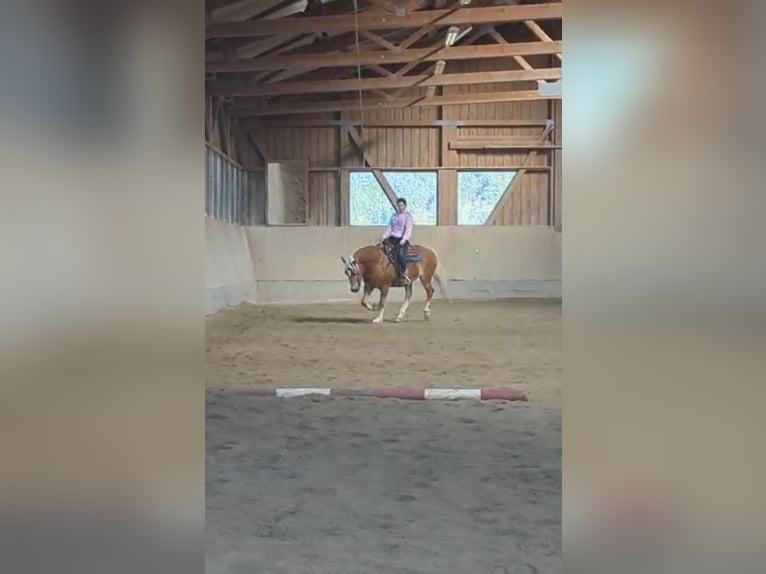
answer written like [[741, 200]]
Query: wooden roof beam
[[385, 21], [352, 105], [242, 10], [436, 46], [387, 5], [421, 80], [380, 41], [381, 70], [540, 33], [284, 43], [520, 60], [252, 49], [290, 72], [367, 57]]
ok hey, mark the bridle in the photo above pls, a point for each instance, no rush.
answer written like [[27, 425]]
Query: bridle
[[352, 266]]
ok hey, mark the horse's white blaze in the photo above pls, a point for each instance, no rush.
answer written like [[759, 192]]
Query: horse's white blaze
[[302, 392], [450, 394]]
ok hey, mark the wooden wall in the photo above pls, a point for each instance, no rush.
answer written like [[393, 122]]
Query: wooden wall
[[415, 138]]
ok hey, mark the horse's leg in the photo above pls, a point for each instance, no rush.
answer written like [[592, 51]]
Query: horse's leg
[[367, 292], [406, 304], [382, 304], [429, 294]]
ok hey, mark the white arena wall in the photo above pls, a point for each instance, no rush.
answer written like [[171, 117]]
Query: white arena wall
[[295, 264]]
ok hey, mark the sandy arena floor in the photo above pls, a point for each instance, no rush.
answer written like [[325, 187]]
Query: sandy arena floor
[[350, 486], [464, 344]]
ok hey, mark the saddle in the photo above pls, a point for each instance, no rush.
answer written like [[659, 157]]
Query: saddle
[[411, 256]]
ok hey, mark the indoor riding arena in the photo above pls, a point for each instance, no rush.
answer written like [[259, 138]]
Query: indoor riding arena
[[428, 442]]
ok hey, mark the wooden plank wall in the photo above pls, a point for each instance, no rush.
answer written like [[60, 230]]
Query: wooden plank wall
[[226, 135], [398, 147], [320, 147], [331, 154], [529, 204]]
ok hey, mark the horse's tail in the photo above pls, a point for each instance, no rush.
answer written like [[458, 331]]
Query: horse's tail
[[438, 278]]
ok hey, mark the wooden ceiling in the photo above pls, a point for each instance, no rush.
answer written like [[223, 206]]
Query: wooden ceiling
[[286, 57]]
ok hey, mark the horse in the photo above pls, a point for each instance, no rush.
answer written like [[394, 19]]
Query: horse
[[374, 268]]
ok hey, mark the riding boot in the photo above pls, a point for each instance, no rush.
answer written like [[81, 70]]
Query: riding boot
[[402, 265], [403, 270]]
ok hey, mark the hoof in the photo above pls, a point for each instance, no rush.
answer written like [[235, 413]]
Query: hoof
[[398, 319], [377, 321], [426, 315]]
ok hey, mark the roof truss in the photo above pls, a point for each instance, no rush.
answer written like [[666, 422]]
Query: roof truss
[[272, 57]]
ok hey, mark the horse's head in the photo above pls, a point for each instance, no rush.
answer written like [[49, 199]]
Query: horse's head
[[351, 269]]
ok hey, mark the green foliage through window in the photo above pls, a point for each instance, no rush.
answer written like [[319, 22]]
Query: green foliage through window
[[370, 206], [477, 194]]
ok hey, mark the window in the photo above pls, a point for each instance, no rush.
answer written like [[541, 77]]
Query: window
[[369, 205], [478, 192], [231, 193]]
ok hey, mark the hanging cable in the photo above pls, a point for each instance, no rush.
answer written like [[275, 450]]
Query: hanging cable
[[358, 66]]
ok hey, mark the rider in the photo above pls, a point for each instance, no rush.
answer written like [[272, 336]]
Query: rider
[[398, 235]]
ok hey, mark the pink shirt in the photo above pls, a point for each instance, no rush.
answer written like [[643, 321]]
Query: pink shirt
[[400, 226]]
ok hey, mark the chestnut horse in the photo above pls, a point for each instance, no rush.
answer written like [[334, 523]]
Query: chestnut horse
[[371, 268]]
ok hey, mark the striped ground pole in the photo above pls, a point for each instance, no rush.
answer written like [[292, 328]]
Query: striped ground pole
[[483, 394]]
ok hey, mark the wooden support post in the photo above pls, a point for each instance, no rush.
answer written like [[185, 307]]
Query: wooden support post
[[343, 174], [447, 200], [448, 133], [556, 219], [344, 200]]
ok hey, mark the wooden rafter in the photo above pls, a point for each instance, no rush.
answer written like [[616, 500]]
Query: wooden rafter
[[351, 105], [380, 40], [520, 60], [253, 49], [383, 21], [353, 84], [283, 43], [241, 10], [387, 5], [343, 43], [381, 70], [366, 58], [540, 33], [437, 46], [422, 31]]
